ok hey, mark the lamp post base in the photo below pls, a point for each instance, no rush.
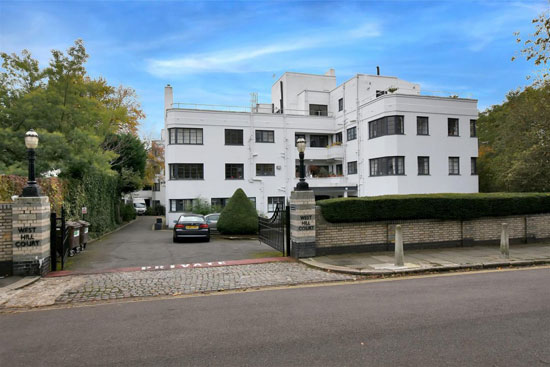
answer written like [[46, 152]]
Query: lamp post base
[[31, 190], [302, 186]]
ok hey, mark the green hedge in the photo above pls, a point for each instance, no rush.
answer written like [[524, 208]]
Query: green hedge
[[433, 206]]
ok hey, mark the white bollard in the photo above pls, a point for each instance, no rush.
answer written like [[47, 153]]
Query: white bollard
[[399, 255], [505, 241]]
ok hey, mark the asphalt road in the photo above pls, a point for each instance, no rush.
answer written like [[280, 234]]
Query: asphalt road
[[138, 245], [488, 319]]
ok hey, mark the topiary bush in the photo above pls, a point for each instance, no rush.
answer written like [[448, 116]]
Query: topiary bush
[[239, 216], [433, 206]]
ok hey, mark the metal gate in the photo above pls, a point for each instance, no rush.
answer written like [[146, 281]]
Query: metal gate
[[59, 246], [275, 231]]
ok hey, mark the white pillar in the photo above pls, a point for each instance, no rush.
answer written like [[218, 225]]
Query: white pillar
[[505, 241], [399, 255]]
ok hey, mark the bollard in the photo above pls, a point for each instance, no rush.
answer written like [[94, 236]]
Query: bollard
[[505, 241], [399, 256]]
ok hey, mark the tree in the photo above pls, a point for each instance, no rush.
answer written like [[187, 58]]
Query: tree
[[239, 216], [515, 142], [130, 160], [155, 162], [72, 113], [537, 46]]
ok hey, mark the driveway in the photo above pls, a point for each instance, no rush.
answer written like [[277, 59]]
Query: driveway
[[138, 245]]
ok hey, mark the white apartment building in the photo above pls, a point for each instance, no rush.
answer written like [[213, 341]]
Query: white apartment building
[[371, 135]]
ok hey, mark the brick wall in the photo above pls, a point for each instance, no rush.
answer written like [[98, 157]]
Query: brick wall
[[426, 233], [6, 253]]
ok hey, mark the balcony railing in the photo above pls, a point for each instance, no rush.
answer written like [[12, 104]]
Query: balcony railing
[[250, 109]]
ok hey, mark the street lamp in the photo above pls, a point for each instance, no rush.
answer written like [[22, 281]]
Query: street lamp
[[31, 142], [302, 185]]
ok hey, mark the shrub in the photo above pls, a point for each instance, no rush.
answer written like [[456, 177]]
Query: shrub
[[128, 212], [159, 210], [239, 216], [433, 206]]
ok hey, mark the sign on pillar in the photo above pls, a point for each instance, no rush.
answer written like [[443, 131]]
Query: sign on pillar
[[31, 235], [302, 224]]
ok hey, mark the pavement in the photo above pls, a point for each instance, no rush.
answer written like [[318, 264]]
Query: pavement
[[428, 260]]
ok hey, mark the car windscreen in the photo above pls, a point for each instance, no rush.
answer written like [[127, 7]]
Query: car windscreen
[[191, 218], [213, 218], [139, 205]]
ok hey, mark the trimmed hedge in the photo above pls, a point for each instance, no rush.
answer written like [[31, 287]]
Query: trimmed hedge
[[433, 206], [239, 216]]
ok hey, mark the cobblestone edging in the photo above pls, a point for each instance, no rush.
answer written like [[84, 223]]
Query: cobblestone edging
[[112, 286]]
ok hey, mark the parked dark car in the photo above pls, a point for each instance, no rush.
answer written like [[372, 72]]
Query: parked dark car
[[191, 226], [212, 221]]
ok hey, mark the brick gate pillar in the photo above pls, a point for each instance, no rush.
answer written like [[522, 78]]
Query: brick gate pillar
[[31, 235], [302, 224]]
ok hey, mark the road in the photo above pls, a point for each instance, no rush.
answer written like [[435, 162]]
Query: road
[[472, 319], [138, 245]]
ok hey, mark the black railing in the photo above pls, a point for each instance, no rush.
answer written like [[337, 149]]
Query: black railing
[[59, 247], [274, 231]]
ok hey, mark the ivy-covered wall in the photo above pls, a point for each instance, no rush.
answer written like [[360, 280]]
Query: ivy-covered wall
[[99, 193]]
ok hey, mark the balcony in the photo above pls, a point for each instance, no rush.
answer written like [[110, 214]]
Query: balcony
[[335, 181], [331, 152]]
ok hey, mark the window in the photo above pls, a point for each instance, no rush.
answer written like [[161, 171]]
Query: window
[[473, 128], [473, 162], [185, 136], [423, 166], [233, 137], [339, 170], [352, 168], [253, 201], [264, 169], [454, 166], [318, 171], [219, 202], [273, 201], [380, 93], [265, 136], [318, 141], [186, 171], [452, 127], [422, 127], [338, 138], [318, 110], [156, 186], [389, 125], [352, 133], [340, 104], [387, 166], [181, 205], [234, 171], [298, 136]]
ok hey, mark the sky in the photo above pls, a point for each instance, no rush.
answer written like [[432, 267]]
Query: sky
[[215, 52]]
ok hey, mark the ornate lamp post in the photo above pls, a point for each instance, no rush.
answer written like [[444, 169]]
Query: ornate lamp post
[[302, 185], [31, 142]]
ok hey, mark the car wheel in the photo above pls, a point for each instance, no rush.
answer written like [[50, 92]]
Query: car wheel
[[207, 239], [175, 240]]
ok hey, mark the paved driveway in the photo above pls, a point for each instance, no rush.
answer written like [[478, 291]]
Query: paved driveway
[[138, 245]]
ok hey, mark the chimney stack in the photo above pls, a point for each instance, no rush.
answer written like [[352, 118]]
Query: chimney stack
[[378, 70], [168, 97]]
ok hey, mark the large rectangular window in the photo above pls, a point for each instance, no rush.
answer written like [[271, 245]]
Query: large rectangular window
[[352, 133], [233, 137], [452, 125], [234, 171], [273, 201], [339, 170], [186, 171], [340, 104], [473, 162], [185, 136], [338, 138], [318, 109], [318, 141], [423, 166], [156, 186], [388, 125], [422, 127], [352, 168], [473, 128], [265, 169], [181, 205], [454, 165], [387, 166], [219, 202], [265, 136]]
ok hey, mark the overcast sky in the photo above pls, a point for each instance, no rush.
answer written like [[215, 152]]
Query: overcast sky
[[216, 52]]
